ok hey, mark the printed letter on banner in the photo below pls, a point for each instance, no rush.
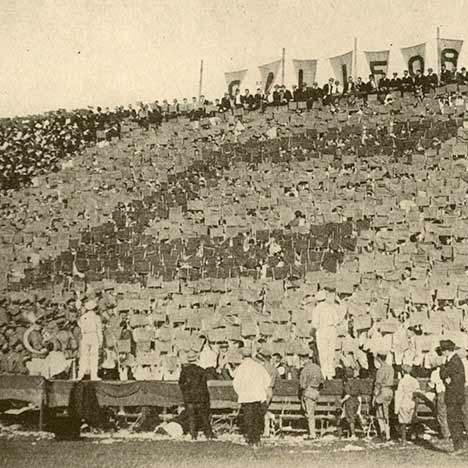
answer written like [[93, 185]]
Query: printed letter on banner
[[378, 62], [342, 66], [305, 71], [269, 74], [449, 51], [415, 57], [234, 80]]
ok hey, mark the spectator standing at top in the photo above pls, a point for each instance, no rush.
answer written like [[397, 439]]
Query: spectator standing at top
[[252, 383], [194, 388]]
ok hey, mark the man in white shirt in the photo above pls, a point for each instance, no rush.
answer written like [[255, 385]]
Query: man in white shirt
[[252, 383], [324, 320], [91, 340]]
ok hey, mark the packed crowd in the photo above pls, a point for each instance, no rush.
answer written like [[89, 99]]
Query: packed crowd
[[224, 229], [38, 144]]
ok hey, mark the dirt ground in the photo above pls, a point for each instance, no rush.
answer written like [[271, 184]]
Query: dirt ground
[[141, 452]]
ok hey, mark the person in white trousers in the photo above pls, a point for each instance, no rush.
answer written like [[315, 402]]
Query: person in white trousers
[[91, 340], [324, 320]]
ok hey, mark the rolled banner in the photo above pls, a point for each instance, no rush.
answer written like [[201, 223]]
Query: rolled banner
[[449, 51], [414, 57], [269, 74], [305, 71], [378, 62], [342, 66], [234, 80]]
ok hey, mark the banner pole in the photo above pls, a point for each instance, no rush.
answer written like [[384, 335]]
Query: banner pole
[[355, 60], [200, 83], [283, 57], [438, 51]]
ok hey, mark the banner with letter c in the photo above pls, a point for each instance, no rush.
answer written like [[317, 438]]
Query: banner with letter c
[[414, 57], [342, 66], [269, 74], [449, 51], [378, 62], [234, 80]]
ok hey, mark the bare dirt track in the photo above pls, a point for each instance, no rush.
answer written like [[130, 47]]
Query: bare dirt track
[[166, 453]]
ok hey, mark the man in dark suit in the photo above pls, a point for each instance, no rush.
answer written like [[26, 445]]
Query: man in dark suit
[[384, 84], [407, 83], [194, 388], [328, 91], [432, 79], [452, 373], [314, 94], [395, 82], [446, 76], [226, 102]]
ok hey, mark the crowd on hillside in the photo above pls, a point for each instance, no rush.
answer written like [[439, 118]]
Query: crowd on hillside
[[39, 144]]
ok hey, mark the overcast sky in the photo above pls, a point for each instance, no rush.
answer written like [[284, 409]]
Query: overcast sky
[[74, 53]]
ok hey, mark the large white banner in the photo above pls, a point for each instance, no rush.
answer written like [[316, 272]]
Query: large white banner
[[269, 74], [305, 71], [342, 66], [449, 51], [378, 62], [234, 80], [414, 57]]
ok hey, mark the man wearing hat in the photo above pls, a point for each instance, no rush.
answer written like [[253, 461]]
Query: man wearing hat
[[453, 375], [194, 388], [91, 340], [311, 379], [252, 383], [324, 320]]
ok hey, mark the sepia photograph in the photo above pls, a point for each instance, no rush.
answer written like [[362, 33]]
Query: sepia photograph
[[233, 233]]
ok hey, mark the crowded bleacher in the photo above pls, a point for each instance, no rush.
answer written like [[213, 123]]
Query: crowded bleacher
[[210, 226]]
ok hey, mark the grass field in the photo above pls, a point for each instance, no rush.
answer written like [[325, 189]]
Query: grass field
[[106, 452]]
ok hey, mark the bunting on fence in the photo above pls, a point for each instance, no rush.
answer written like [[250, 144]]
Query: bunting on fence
[[378, 62], [449, 51], [414, 57], [269, 74], [342, 66], [234, 80], [305, 71]]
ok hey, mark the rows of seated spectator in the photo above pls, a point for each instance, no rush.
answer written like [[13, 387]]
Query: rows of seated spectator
[[37, 145]]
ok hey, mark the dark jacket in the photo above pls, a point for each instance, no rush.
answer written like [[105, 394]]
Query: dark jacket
[[455, 387], [192, 383]]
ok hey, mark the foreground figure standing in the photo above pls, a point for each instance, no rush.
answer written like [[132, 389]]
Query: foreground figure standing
[[311, 379], [383, 394], [91, 341], [252, 383], [194, 388], [453, 375]]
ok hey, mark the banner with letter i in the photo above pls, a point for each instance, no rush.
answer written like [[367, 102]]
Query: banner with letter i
[[342, 66], [305, 71]]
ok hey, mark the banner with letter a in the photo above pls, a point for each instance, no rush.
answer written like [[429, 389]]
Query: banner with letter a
[[449, 51], [414, 57], [234, 80], [378, 62], [269, 74], [342, 66], [305, 71]]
